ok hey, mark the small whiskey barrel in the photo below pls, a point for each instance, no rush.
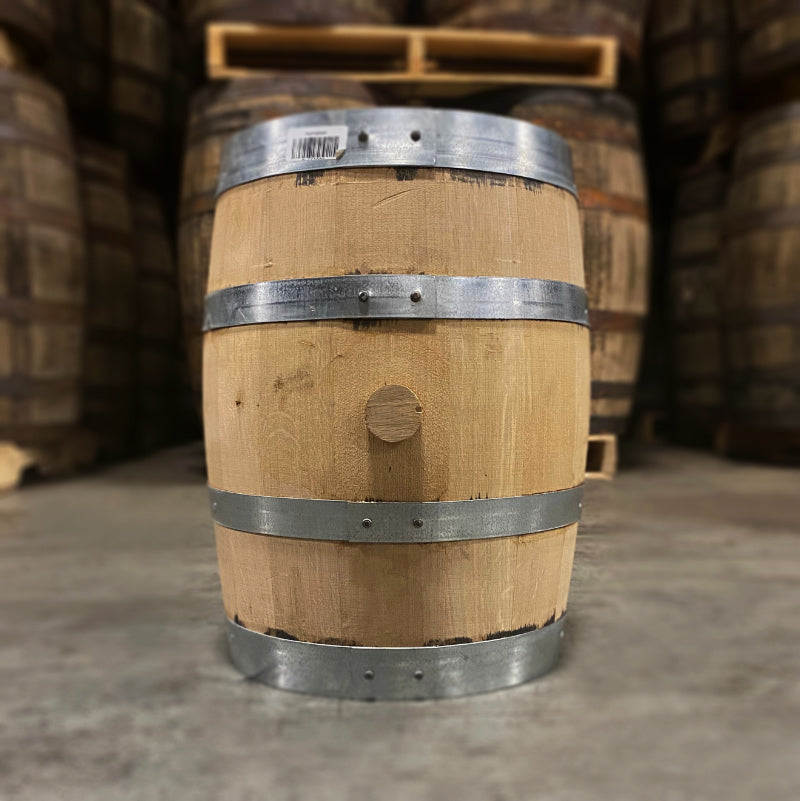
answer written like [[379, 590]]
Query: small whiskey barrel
[[623, 19], [109, 390], [218, 111], [42, 291], [140, 66], [691, 64], [769, 38], [761, 291], [30, 23], [396, 389], [78, 63], [603, 133], [157, 352], [696, 281]]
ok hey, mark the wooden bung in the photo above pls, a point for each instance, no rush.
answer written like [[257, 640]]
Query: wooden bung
[[393, 413], [403, 410]]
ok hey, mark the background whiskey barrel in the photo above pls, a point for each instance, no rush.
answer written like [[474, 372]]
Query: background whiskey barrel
[[110, 378], [141, 46], [623, 19], [42, 291], [768, 38], [157, 357], [761, 291], [79, 61], [696, 283], [603, 134], [692, 52]]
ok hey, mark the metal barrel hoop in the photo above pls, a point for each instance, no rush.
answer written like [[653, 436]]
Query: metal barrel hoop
[[396, 297], [397, 137]]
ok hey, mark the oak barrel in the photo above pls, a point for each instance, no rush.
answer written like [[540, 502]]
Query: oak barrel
[[691, 55], [217, 111], [109, 387], [141, 53], [603, 134], [622, 19], [696, 283], [42, 292], [198, 13], [396, 393], [30, 22], [157, 357], [768, 38], [79, 63], [761, 290]]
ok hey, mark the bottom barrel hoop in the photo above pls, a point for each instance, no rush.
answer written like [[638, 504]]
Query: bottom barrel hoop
[[395, 674]]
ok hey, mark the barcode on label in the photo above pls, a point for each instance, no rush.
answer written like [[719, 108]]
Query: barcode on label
[[306, 144]]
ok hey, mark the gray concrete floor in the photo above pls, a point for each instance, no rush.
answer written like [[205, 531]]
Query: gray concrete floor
[[680, 677]]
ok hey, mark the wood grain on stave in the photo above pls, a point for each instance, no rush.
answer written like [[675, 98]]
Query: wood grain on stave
[[505, 403]]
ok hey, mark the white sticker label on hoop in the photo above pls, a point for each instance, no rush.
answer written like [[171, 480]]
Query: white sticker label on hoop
[[316, 144]]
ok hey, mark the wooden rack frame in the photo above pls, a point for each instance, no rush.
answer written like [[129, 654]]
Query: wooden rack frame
[[428, 61]]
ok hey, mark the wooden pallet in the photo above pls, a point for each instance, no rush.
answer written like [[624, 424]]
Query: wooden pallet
[[426, 61], [51, 459], [601, 456]]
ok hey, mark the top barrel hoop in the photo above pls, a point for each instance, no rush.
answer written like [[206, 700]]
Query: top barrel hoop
[[396, 137]]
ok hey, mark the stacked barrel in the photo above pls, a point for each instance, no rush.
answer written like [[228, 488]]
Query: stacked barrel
[[696, 284], [691, 55], [603, 133], [602, 129], [43, 287], [726, 77], [110, 380], [761, 292]]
